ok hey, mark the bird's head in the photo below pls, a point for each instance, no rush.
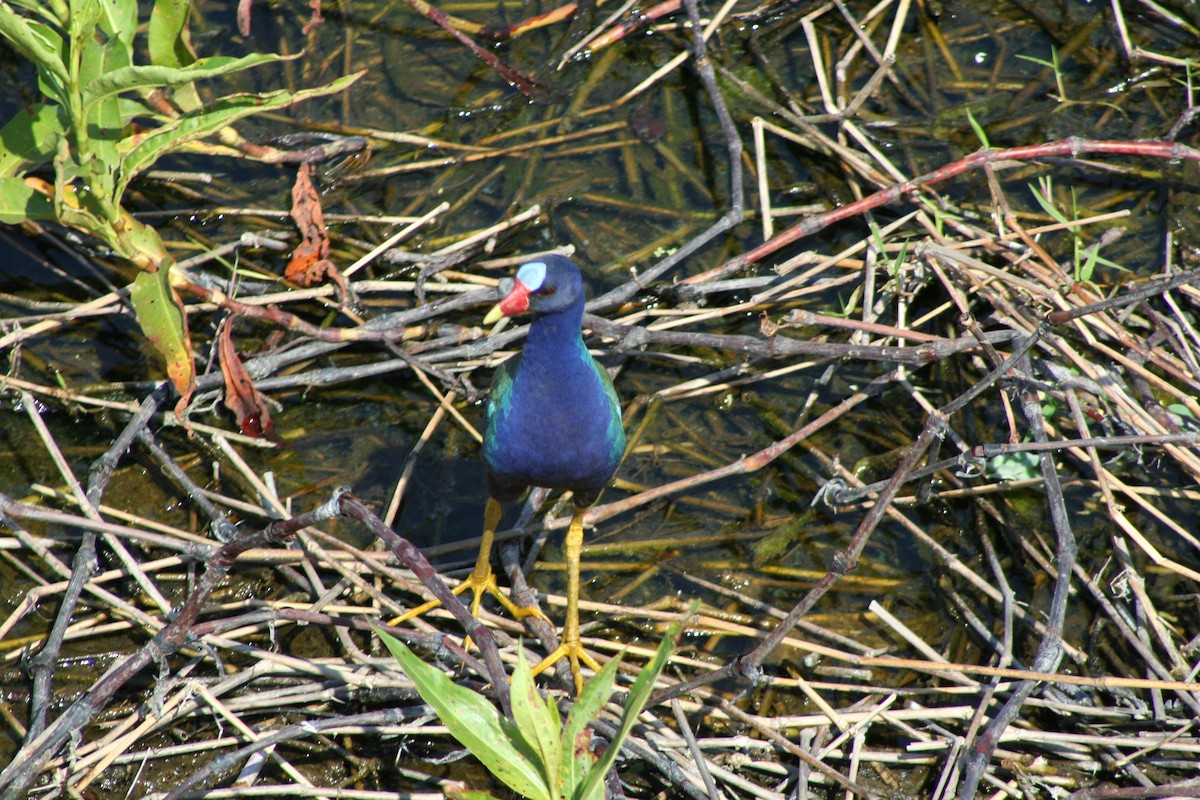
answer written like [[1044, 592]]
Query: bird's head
[[549, 284]]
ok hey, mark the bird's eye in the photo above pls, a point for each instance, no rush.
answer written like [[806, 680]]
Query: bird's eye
[[546, 291]]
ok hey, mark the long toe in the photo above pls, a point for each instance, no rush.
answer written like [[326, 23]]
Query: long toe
[[477, 586], [576, 656]]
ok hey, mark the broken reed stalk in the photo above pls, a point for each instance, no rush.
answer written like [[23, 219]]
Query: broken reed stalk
[[15, 778], [45, 744]]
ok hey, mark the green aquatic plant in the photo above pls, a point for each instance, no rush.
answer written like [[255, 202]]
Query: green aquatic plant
[[100, 119], [1084, 257], [534, 754]]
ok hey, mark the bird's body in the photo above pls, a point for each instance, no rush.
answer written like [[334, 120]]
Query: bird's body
[[553, 416], [554, 421]]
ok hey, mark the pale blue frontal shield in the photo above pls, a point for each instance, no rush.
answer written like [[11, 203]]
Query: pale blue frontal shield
[[532, 275]]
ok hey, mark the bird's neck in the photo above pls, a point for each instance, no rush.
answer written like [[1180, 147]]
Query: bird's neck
[[554, 336]]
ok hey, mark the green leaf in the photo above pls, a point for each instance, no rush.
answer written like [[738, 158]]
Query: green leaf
[[38, 43], [19, 202], [170, 45], [1044, 196], [105, 125], [1181, 410], [1088, 268], [39, 7], [877, 239], [92, 53], [1019, 466], [1035, 60], [1111, 264], [635, 701], [161, 317], [140, 152], [119, 22], [83, 57], [979, 131], [85, 18], [537, 721], [31, 138], [73, 207], [166, 37], [154, 76], [473, 721], [577, 757]]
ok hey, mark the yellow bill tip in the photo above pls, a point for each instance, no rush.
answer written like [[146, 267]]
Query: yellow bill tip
[[494, 315]]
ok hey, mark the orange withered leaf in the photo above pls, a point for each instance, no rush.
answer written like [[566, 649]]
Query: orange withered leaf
[[241, 395], [310, 262]]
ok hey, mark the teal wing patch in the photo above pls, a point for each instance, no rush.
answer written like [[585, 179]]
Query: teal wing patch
[[502, 383], [616, 428], [498, 399]]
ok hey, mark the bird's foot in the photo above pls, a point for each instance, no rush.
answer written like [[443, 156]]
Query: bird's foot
[[515, 611], [478, 585], [575, 654]]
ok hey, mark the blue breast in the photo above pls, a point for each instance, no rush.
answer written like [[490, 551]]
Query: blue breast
[[553, 417]]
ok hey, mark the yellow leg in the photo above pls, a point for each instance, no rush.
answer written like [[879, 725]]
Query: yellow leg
[[570, 647], [481, 578]]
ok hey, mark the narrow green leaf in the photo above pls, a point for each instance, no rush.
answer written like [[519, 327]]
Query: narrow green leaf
[[537, 721], [1039, 61], [19, 202], [473, 721], [1043, 194], [577, 757], [980, 133], [877, 238], [35, 41], [1111, 264], [31, 138], [140, 152], [154, 76], [635, 701], [39, 7], [1089, 264], [161, 317]]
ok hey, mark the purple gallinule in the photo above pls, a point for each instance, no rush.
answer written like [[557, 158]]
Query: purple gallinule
[[553, 420]]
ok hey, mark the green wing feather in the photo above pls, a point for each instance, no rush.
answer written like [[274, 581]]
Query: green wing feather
[[497, 402], [502, 383], [616, 428]]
